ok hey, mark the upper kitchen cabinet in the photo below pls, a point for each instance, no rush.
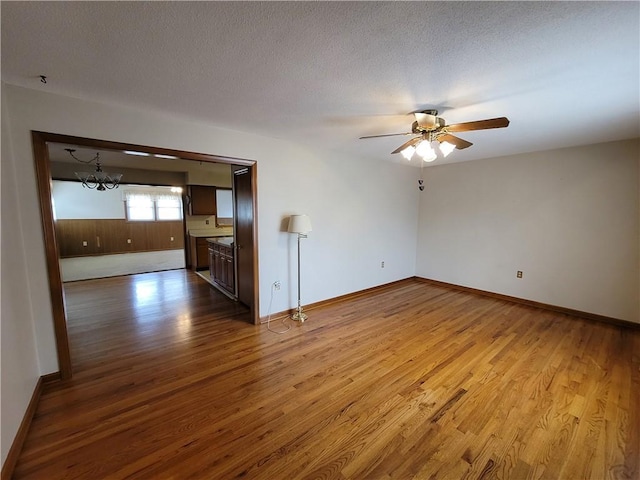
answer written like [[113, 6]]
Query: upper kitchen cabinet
[[202, 200]]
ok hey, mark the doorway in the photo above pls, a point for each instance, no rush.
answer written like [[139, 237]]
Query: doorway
[[43, 178]]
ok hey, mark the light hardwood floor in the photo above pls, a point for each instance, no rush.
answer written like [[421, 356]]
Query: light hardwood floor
[[412, 381]]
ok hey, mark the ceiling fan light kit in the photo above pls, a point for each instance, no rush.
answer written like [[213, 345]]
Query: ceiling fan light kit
[[425, 150], [430, 128]]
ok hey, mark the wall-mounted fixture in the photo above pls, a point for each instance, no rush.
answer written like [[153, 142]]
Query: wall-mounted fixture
[[300, 225], [99, 179]]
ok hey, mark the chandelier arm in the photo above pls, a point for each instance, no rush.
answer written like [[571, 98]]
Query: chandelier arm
[[71, 150]]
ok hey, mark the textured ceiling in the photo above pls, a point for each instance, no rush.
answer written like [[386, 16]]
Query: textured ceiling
[[325, 73], [115, 158]]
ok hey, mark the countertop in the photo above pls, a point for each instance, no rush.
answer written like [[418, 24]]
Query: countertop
[[228, 241], [206, 233]]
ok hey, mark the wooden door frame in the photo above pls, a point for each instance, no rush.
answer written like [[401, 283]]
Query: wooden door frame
[[43, 179]]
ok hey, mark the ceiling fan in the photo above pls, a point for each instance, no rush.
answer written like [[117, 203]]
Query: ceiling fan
[[429, 127]]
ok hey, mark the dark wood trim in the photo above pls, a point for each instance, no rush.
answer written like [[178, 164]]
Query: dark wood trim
[[109, 145], [51, 378], [10, 462], [532, 303], [255, 307], [43, 179], [499, 296], [341, 298]]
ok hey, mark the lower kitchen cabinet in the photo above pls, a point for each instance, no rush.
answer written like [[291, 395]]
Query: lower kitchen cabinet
[[221, 265], [198, 253]]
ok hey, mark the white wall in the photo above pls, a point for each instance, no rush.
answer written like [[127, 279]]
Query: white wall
[[363, 212], [218, 177], [567, 218], [19, 359], [72, 201]]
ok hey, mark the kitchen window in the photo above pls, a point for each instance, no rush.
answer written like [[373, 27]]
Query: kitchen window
[[169, 208], [153, 205]]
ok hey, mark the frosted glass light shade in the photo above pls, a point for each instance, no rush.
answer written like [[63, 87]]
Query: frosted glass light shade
[[408, 152], [424, 149], [446, 148], [299, 224]]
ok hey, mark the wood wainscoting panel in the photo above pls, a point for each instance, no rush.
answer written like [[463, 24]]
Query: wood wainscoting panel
[[413, 380], [103, 237]]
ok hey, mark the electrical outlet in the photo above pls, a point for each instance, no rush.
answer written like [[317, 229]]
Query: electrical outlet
[[206, 222], [128, 240], [171, 239], [276, 285], [381, 264], [84, 243], [519, 274]]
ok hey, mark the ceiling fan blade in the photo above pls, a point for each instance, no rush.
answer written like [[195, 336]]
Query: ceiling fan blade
[[500, 122], [457, 141], [413, 141], [386, 135]]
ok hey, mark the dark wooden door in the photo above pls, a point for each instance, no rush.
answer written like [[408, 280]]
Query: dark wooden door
[[244, 241]]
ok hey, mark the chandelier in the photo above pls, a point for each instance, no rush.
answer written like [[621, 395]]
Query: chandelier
[[99, 179]]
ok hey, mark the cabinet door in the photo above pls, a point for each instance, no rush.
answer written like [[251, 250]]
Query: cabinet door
[[217, 266], [202, 253], [211, 262], [230, 276], [223, 269], [202, 200]]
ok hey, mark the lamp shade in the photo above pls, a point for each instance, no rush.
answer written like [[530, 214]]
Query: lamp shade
[[299, 224]]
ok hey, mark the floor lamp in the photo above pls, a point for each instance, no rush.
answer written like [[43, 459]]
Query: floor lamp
[[301, 225]]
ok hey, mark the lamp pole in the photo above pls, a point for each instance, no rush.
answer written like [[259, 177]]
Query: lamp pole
[[300, 225], [298, 315]]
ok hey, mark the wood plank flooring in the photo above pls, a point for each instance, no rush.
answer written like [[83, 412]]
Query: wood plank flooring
[[412, 381]]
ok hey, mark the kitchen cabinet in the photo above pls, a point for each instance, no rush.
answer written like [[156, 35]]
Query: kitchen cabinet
[[202, 200], [198, 253], [221, 263]]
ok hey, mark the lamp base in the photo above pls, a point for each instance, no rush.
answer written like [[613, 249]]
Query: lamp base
[[298, 316]]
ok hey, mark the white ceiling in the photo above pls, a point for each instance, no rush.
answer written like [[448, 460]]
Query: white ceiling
[[116, 158], [325, 73]]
